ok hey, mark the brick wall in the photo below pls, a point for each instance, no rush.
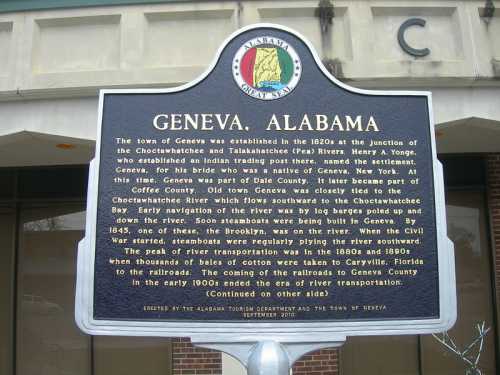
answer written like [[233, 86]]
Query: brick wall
[[188, 360], [322, 362], [493, 173]]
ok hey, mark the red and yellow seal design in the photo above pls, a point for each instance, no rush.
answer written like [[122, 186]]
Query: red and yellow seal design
[[266, 68]]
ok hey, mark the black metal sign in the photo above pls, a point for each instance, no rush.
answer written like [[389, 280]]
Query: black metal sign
[[265, 192]]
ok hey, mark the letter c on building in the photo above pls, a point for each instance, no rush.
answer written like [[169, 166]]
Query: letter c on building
[[402, 42]]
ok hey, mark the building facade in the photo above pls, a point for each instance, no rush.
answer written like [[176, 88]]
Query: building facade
[[56, 54]]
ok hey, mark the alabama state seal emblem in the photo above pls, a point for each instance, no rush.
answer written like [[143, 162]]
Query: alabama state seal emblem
[[266, 68]]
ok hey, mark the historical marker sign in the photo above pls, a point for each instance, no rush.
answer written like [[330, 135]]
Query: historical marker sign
[[265, 199]]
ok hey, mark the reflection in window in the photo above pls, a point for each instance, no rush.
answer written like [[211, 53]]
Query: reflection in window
[[467, 229], [463, 228], [49, 341], [73, 221]]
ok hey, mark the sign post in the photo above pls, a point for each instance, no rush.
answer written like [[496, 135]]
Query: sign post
[[266, 210]]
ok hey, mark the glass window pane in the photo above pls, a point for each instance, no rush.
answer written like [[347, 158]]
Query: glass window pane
[[467, 229], [49, 342], [454, 167], [7, 224], [7, 183], [380, 355], [131, 356], [53, 183]]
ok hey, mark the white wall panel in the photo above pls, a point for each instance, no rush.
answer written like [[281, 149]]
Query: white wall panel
[[441, 33], [492, 29], [5, 47], [76, 44], [335, 43], [185, 38]]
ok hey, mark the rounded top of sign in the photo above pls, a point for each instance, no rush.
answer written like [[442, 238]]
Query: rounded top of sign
[[266, 68]]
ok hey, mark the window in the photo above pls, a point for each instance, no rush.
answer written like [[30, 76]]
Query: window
[[41, 222], [7, 227], [468, 229]]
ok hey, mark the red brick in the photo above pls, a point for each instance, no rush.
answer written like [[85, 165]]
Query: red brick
[[321, 362], [493, 191], [189, 360]]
